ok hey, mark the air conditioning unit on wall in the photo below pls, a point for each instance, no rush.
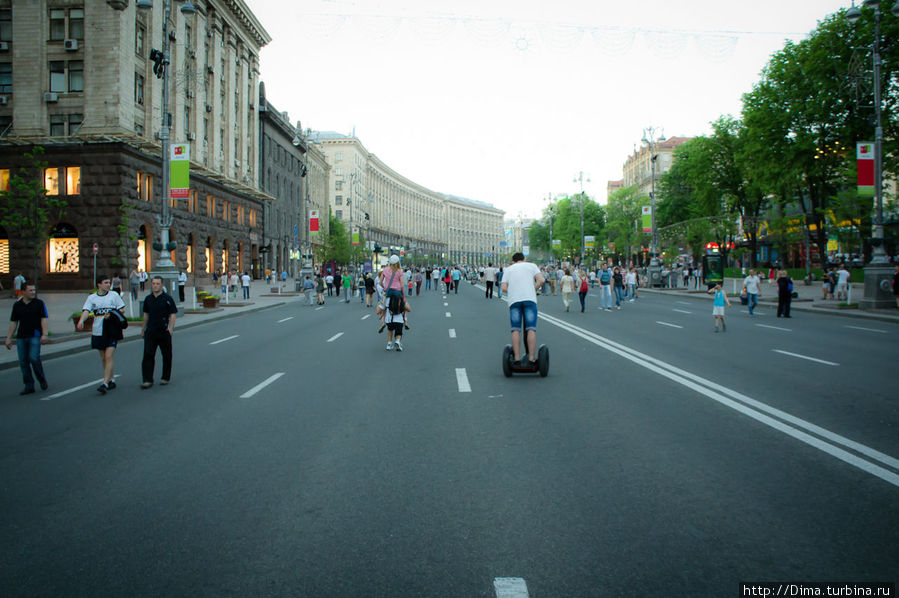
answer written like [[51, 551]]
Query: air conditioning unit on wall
[[4, 100], [51, 96], [71, 45], [4, 46]]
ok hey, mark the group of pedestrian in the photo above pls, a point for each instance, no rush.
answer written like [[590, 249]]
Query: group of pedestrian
[[229, 282], [29, 326]]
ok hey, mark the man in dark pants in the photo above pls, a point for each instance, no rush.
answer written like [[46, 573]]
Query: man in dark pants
[[156, 330], [31, 316]]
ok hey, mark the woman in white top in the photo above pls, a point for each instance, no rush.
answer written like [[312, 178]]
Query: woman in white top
[[566, 285]]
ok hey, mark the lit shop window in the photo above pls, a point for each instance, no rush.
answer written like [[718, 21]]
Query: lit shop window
[[70, 174], [51, 181], [4, 179], [73, 180], [4, 251], [63, 249]]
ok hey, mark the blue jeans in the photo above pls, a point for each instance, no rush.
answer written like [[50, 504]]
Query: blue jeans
[[619, 296], [30, 357], [605, 296], [753, 301], [523, 312]]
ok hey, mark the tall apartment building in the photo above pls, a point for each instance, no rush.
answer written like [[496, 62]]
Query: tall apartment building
[[393, 211], [638, 166], [76, 78]]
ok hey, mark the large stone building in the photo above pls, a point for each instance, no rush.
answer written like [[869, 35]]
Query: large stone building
[[287, 245], [77, 79], [638, 166], [395, 212]]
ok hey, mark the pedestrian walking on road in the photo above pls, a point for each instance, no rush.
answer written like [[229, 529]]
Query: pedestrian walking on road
[[133, 284], [618, 286], [751, 284], [156, 329], [489, 280], [718, 306], [329, 280], [347, 286], [583, 289], [308, 288], [566, 286], [106, 331], [320, 289], [605, 288], [784, 293], [29, 315]]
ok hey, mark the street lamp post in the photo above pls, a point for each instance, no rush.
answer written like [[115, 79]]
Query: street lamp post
[[580, 179], [655, 265], [878, 271], [164, 266]]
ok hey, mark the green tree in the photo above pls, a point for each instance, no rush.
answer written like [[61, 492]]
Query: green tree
[[337, 247], [26, 207], [623, 215], [566, 214]]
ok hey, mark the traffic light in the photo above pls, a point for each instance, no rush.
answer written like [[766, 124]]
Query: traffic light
[[159, 62]]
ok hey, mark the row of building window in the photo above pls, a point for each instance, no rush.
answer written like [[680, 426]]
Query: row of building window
[[242, 214], [70, 177], [65, 76]]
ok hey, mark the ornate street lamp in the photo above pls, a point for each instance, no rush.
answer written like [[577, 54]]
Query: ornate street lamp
[[164, 266], [580, 179], [877, 271]]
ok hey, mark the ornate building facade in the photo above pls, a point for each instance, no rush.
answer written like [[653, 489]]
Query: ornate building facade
[[80, 83]]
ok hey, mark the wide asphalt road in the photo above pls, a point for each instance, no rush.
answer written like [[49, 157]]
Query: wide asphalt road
[[293, 456]]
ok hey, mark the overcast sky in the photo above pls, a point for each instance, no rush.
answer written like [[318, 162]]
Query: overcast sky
[[506, 101]]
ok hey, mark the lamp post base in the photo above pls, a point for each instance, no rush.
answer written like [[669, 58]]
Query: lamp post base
[[878, 286]]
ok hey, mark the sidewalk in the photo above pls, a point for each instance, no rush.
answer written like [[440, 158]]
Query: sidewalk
[[65, 340], [809, 299]]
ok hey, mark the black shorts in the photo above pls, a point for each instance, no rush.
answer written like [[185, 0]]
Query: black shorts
[[101, 343], [395, 327]]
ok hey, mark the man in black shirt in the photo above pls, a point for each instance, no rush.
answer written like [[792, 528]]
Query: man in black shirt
[[156, 330], [31, 316]]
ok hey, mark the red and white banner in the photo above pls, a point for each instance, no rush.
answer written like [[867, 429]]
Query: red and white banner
[[864, 154], [313, 222]]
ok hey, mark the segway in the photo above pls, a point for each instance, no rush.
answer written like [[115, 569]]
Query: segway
[[511, 366]]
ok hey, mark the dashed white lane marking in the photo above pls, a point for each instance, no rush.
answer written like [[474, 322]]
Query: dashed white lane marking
[[774, 327], [805, 357], [868, 329], [462, 380], [510, 587], [445, 304], [366, 316], [335, 337], [667, 324], [261, 385], [285, 319], [452, 332], [682, 311], [221, 340], [320, 307], [683, 302], [449, 315], [63, 393]]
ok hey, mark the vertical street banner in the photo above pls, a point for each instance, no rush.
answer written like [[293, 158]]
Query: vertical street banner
[[313, 222], [646, 219], [864, 155], [355, 235], [557, 243], [589, 241], [179, 171]]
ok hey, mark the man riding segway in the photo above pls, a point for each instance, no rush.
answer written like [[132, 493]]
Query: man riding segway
[[520, 283]]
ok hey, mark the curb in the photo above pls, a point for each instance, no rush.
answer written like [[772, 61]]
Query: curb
[[83, 348]]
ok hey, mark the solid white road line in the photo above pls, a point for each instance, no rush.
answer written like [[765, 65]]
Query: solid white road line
[[774, 327], [682, 311], [449, 315], [285, 319], [667, 324], [335, 337], [366, 316], [221, 340], [510, 587], [63, 393], [260, 386], [452, 332], [462, 380], [804, 357], [823, 439], [868, 329]]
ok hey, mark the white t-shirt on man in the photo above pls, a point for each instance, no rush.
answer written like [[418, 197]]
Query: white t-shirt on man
[[100, 305], [520, 278], [752, 284], [490, 274]]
